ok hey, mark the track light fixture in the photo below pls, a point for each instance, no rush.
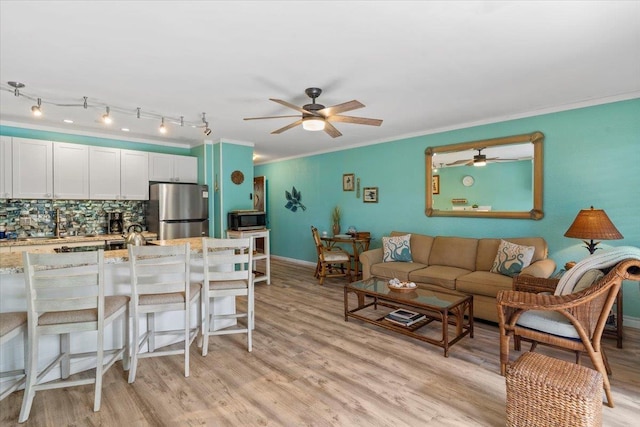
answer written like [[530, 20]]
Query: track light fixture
[[106, 118], [207, 131], [16, 88], [36, 109]]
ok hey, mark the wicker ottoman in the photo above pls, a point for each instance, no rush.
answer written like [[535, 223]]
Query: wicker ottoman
[[542, 391]]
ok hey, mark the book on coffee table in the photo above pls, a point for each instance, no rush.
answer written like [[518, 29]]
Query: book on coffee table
[[404, 317]]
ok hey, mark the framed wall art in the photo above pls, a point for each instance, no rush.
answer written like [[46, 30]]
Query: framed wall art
[[347, 181], [435, 182], [370, 195]]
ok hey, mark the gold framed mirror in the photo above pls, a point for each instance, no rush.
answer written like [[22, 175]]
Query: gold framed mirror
[[463, 194]]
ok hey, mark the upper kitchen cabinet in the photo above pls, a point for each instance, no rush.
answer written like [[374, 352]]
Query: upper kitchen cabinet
[[173, 168], [70, 171], [116, 174], [6, 178], [134, 175], [32, 168]]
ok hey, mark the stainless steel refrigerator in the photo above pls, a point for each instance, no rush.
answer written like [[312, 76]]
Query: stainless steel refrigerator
[[178, 210]]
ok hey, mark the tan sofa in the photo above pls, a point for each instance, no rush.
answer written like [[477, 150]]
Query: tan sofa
[[458, 263]]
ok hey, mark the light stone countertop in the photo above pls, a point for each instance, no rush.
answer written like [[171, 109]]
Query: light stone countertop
[[11, 263]]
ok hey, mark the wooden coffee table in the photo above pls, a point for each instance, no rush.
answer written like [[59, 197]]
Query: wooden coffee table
[[443, 306]]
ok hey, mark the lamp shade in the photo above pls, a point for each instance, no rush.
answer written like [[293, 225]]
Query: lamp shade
[[593, 224]]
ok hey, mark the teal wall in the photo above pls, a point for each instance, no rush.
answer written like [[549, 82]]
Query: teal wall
[[503, 186], [591, 157], [229, 157]]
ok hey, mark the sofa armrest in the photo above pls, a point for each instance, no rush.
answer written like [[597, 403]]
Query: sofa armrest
[[525, 283], [368, 258], [542, 268]]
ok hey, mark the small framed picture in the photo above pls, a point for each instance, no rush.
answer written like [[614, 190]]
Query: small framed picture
[[370, 195], [348, 182], [435, 184]]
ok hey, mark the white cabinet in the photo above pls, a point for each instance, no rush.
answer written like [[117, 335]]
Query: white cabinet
[[32, 168], [134, 175], [70, 171], [173, 168], [116, 174], [104, 173], [6, 178]]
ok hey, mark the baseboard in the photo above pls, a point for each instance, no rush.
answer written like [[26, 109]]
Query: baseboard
[[631, 322], [294, 260]]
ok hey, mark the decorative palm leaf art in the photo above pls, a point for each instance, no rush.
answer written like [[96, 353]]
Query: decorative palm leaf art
[[293, 200]]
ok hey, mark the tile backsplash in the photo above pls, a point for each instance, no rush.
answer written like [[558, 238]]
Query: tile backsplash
[[37, 217]]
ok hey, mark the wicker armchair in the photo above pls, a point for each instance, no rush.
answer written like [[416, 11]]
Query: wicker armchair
[[586, 311]]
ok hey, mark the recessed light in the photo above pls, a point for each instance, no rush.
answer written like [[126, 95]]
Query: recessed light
[[125, 129], [68, 121]]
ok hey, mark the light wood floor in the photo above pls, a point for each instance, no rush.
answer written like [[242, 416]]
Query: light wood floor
[[311, 368]]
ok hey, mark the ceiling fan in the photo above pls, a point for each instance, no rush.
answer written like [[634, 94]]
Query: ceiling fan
[[479, 159], [316, 117]]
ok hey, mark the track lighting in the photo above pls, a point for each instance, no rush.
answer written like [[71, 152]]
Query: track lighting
[[207, 131], [36, 109], [106, 118], [17, 89]]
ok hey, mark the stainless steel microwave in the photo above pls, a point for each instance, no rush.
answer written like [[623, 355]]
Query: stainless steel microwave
[[246, 220]]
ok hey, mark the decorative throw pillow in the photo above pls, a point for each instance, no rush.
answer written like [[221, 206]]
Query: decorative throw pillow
[[397, 248], [512, 258]]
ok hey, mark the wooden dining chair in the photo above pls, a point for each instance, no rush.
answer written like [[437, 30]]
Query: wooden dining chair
[[331, 262], [13, 325], [65, 295], [160, 282], [227, 273]]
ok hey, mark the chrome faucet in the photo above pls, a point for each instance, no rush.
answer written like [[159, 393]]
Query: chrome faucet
[[58, 226]]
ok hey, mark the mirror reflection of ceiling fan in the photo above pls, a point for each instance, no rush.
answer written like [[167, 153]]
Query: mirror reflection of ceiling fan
[[316, 117], [479, 159]]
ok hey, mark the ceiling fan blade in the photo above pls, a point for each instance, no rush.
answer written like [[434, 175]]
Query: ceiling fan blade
[[341, 108], [356, 120], [331, 130], [287, 127], [460, 162], [294, 107], [270, 117]]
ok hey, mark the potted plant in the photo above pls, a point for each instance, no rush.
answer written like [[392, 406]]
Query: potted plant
[[335, 218]]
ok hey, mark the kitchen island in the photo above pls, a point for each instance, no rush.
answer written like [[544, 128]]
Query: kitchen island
[[13, 298]]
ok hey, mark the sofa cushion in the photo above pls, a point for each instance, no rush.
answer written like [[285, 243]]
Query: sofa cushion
[[396, 248], [399, 270], [512, 258], [457, 252], [420, 246], [483, 283], [488, 248], [440, 275]]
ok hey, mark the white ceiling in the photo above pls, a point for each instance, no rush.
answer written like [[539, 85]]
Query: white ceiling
[[419, 66]]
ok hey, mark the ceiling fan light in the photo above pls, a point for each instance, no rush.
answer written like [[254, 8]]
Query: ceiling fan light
[[480, 160], [312, 124]]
